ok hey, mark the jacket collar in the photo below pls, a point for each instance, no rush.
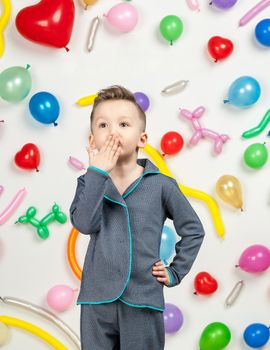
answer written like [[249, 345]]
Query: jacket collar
[[112, 192]]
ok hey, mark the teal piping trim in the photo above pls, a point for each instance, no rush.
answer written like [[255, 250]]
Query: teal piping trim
[[170, 276], [98, 169], [141, 306]]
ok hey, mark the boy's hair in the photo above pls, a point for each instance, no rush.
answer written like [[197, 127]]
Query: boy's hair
[[117, 92]]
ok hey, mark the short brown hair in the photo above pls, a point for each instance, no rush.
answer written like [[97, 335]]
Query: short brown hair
[[117, 92]]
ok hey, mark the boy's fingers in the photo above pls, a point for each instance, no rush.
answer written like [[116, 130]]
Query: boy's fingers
[[159, 262]]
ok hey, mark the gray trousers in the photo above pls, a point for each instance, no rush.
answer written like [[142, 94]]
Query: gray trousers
[[115, 326]]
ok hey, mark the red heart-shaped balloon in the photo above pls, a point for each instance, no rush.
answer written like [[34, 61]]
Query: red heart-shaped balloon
[[49, 22], [28, 157], [219, 48], [204, 283]]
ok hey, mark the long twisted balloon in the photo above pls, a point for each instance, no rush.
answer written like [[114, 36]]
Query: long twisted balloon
[[212, 205]]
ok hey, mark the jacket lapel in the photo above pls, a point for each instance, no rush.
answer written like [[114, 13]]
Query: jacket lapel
[[112, 192]]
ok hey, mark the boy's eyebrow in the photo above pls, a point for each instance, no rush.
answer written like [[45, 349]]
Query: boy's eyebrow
[[121, 117]]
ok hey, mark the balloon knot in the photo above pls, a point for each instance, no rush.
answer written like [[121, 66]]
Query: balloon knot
[[55, 124], [67, 49], [37, 170], [28, 66]]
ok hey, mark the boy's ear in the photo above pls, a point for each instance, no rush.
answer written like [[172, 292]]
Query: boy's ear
[[143, 140]]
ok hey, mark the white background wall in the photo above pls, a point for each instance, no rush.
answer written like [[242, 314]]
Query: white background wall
[[142, 61]]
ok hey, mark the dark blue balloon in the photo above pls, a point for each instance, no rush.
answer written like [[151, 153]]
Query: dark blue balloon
[[262, 32], [256, 335], [44, 107]]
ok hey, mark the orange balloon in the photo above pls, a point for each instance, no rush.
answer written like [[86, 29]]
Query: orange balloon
[[71, 253]]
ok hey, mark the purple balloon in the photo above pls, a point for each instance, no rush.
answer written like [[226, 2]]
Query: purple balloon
[[142, 100], [255, 258], [223, 4], [173, 318]]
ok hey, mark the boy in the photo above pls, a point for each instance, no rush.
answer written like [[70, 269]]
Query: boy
[[122, 202]]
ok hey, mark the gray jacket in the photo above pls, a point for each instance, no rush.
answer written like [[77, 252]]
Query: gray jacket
[[125, 234]]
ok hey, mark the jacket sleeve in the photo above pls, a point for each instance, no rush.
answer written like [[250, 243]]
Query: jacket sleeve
[[189, 227], [86, 207]]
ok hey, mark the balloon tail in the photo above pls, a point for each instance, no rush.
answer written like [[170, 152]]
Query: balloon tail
[[28, 66], [55, 124], [171, 42], [236, 266], [85, 7], [37, 170], [67, 49], [241, 209], [226, 101], [195, 293]]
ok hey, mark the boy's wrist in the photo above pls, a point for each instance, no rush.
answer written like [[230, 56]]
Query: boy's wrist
[[102, 171]]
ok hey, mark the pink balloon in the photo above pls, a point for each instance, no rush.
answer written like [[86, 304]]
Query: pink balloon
[[76, 163], [60, 297], [202, 133], [193, 5], [12, 206], [254, 11], [255, 258], [123, 17]]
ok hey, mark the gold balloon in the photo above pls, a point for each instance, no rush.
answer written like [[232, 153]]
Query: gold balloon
[[86, 3], [228, 188]]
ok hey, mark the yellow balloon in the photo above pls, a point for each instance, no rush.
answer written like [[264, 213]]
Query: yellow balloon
[[15, 322], [88, 2], [3, 22], [228, 188], [87, 100], [212, 205]]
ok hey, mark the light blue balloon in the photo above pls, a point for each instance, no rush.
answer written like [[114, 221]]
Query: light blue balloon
[[244, 92], [167, 245]]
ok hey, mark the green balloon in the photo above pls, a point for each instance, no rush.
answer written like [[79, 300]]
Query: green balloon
[[171, 27], [215, 336], [256, 155], [15, 83]]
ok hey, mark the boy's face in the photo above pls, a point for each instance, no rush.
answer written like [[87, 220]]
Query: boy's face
[[119, 117]]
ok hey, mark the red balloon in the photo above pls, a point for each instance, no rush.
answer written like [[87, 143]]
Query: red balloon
[[171, 142], [204, 283], [220, 48], [28, 157], [49, 22]]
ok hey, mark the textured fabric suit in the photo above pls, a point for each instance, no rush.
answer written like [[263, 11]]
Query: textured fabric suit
[[125, 234]]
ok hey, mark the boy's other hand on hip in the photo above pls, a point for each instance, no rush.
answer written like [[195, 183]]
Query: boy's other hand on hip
[[107, 156], [161, 273]]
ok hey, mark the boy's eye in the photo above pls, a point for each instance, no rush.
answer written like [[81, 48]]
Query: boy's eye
[[102, 124], [124, 123]]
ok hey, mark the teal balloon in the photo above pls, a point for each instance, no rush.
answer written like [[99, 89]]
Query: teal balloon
[[15, 83], [215, 336], [167, 245], [256, 155], [244, 92], [171, 27]]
